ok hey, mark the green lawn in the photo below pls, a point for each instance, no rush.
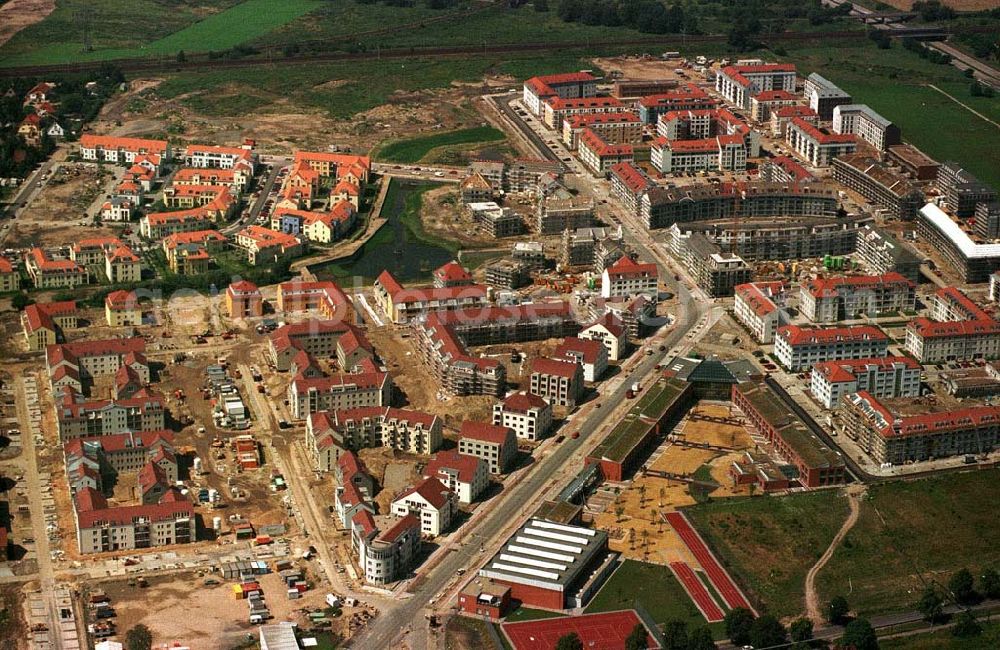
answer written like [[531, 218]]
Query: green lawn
[[893, 83], [931, 528], [147, 28], [528, 614], [416, 149], [943, 640], [656, 588], [768, 544]]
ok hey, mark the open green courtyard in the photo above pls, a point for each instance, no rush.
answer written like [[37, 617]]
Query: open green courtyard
[[417, 149]]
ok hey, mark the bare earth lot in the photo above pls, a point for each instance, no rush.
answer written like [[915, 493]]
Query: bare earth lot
[[15, 15]]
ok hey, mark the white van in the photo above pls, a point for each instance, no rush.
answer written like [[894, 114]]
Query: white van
[[256, 619]]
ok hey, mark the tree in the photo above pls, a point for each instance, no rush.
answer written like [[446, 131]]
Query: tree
[[642, 494], [21, 300], [181, 57], [139, 638], [619, 511], [767, 631], [569, 642], [989, 583], [637, 638], [675, 635], [801, 630], [837, 610], [966, 625], [541, 5], [930, 604], [859, 635], [738, 623], [701, 639], [963, 587]]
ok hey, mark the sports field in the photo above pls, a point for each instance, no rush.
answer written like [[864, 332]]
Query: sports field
[[416, 149], [606, 631]]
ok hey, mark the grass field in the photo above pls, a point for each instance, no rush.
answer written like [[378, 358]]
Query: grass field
[[147, 28], [893, 83], [931, 528], [770, 543], [656, 588], [416, 149], [943, 640], [528, 614]]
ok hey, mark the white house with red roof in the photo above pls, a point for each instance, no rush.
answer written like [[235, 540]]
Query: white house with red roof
[[385, 556], [611, 332], [102, 528], [430, 501], [558, 381], [760, 307], [528, 415], [626, 277], [882, 377], [10, 279], [798, 348], [49, 273], [452, 274], [400, 305], [599, 155], [567, 85], [495, 444], [828, 300], [122, 309], [817, 146], [739, 83], [590, 354], [44, 323], [107, 148], [465, 475]]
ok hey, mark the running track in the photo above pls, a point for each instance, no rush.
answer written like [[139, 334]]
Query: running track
[[716, 574], [696, 590]]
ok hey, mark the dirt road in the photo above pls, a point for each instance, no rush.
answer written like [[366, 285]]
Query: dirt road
[[854, 495]]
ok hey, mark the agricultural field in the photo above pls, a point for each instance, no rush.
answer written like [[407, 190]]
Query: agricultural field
[[146, 28], [655, 588], [418, 149], [943, 640], [919, 531], [769, 543], [899, 87]]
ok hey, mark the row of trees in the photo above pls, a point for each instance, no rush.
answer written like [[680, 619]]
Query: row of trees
[[648, 16], [962, 589]]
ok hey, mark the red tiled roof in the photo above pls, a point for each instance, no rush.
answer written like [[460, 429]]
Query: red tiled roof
[[524, 401], [845, 370], [430, 490], [580, 121], [407, 523], [829, 287], [360, 381], [401, 295], [611, 323], [559, 103], [759, 296], [366, 522], [796, 335], [6, 266], [795, 111], [589, 349], [555, 367], [600, 147], [929, 423], [958, 300], [631, 177], [797, 171], [243, 286], [775, 95], [452, 272], [822, 137], [464, 464], [927, 328], [485, 432], [626, 267], [122, 299], [90, 141]]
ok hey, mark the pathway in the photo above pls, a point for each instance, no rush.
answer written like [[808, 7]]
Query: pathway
[[964, 105], [812, 599]]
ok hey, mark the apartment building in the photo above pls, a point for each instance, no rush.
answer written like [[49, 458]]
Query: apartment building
[[101, 528], [90, 460], [590, 354], [593, 248], [724, 152], [626, 277], [266, 246], [760, 307], [50, 273], [881, 253], [830, 381], [782, 169], [508, 274], [213, 157], [405, 430], [950, 304], [342, 391], [739, 83], [628, 184], [384, 556], [973, 261], [244, 300], [44, 324], [764, 103], [10, 279], [318, 338], [557, 215], [817, 146], [862, 121], [816, 464], [430, 502], [236, 178], [558, 381], [783, 116], [716, 272], [896, 195], [828, 300], [613, 128], [914, 162], [893, 439], [799, 348], [466, 476], [159, 225], [707, 124], [325, 297], [556, 110], [688, 98], [494, 220], [87, 360], [988, 220], [527, 415], [122, 309], [823, 95], [934, 342], [569, 85], [122, 266], [598, 155], [611, 332], [322, 227], [961, 191], [78, 417], [403, 305], [106, 148], [661, 207], [495, 444], [337, 165]]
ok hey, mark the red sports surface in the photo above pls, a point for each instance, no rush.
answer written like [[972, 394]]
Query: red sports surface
[[606, 631], [696, 590], [716, 574]]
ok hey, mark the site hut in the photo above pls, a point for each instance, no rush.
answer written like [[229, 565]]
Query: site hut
[[482, 597], [551, 566]]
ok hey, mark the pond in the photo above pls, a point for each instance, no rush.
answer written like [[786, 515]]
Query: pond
[[401, 245]]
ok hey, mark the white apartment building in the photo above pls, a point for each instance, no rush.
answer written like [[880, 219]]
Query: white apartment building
[[466, 476], [626, 277], [950, 304], [431, 502], [760, 307], [106, 148], [610, 331], [828, 300], [816, 146], [311, 394], [933, 342], [738, 83], [384, 557], [569, 85], [882, 377], [528, 415], [862, 121], [798, 348], [206, 156], [495, 444], [723, 152]]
